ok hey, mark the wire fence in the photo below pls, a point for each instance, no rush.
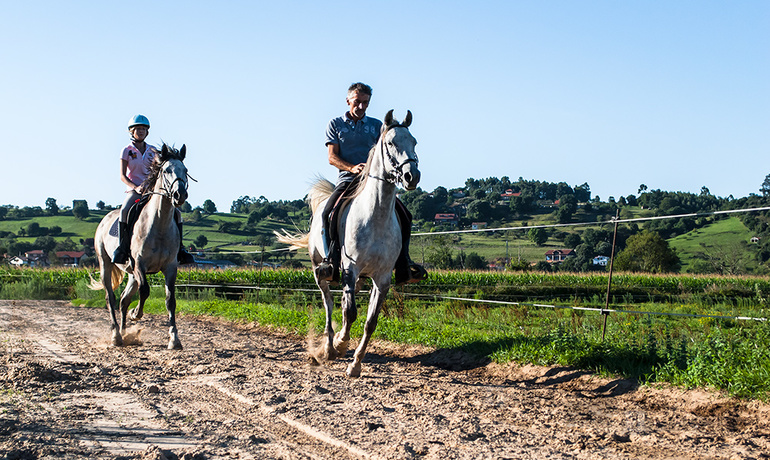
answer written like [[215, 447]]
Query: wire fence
[[605, 310]]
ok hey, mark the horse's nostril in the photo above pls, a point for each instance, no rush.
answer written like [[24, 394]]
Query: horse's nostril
[[408, 177]]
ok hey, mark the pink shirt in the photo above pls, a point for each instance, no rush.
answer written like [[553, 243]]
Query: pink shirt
[[138, 163]]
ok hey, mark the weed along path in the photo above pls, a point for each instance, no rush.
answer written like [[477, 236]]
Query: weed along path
[[239, 391]]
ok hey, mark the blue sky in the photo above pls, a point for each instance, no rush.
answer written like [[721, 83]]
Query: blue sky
[[672, 94]]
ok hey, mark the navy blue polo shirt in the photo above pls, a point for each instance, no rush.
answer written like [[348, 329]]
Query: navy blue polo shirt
[[355, 139]]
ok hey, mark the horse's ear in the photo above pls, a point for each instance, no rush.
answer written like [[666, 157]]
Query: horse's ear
[[407, 120], [389, 118], [164, 152], [182, 152]]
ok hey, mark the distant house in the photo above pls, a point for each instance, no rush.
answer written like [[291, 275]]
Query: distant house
[[509, 194], [18, 261], [36, 258], [70, 258], [555, 256], [478, 225], [755, 239], [448, 218], [600, 260]]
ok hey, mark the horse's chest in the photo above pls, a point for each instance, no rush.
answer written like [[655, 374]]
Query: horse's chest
[[371, 236]]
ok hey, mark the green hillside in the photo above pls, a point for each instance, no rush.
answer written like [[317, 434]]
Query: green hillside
[[725, 242]]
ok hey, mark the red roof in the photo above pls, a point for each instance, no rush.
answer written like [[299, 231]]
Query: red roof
[[510, 192], [559, 251], [73, 254], [445, 217]]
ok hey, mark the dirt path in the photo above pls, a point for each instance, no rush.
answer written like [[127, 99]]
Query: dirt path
[[236, 391]]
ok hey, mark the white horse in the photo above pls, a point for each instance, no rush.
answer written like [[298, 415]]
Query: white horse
[[154, 245], [369, 232]]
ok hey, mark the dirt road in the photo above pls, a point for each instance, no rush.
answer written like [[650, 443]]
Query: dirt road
[[238, 391]]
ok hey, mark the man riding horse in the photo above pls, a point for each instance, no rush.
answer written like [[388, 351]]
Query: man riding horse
[[349, 139]]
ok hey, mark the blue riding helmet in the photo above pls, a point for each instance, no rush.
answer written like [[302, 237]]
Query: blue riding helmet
[[137, 120]]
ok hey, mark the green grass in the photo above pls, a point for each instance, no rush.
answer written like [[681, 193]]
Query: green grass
[[725, 236], [73, 228]]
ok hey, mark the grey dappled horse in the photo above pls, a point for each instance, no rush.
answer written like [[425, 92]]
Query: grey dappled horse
[[154, 245], [370, 235]]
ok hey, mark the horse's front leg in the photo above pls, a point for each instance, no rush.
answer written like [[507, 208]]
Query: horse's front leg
[[379, 291], [173, 341], [349, 310]]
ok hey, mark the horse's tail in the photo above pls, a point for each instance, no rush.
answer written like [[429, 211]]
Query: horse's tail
[[116, 277], [296, 241], [319, 191]]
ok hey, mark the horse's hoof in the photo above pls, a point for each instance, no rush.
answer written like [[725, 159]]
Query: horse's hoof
[[134, 315], [354, 370], [174, 345], [117, 340]]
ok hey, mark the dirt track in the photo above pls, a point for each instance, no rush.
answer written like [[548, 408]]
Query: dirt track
[[236, 391]]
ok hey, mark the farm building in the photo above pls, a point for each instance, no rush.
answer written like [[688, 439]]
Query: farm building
[[558, 255]]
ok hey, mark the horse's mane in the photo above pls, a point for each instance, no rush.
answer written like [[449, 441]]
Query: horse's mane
[[171, 154]]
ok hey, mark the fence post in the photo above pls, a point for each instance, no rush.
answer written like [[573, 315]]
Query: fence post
[[605, 311]]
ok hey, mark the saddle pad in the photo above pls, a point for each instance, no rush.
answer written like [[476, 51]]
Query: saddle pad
[[114, 228], [133, 215]]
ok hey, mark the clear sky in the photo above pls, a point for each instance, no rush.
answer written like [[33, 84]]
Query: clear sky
[[672, 94]]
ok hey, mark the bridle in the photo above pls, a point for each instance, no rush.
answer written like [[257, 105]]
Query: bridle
[[167, 185], [396, 175]]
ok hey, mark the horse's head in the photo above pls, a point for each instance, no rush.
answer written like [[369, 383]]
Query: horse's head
[[172, 173], [398, 147]]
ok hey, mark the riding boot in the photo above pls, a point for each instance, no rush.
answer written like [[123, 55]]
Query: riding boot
[[329, 267], [120, 256], [183, 257], [406, 270]]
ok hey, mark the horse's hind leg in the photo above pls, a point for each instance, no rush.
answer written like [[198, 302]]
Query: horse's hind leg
[[125, 300], [105, 270], [377, 298], [173, 342]]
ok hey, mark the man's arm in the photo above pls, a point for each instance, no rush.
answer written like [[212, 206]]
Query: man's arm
[[339, 163]]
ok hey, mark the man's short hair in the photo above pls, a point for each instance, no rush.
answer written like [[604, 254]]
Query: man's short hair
[[361, 88]]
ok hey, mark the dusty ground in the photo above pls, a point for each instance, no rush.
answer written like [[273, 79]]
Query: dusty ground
[[236, 391]]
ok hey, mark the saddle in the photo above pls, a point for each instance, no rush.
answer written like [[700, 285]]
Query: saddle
[[133, 215]]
